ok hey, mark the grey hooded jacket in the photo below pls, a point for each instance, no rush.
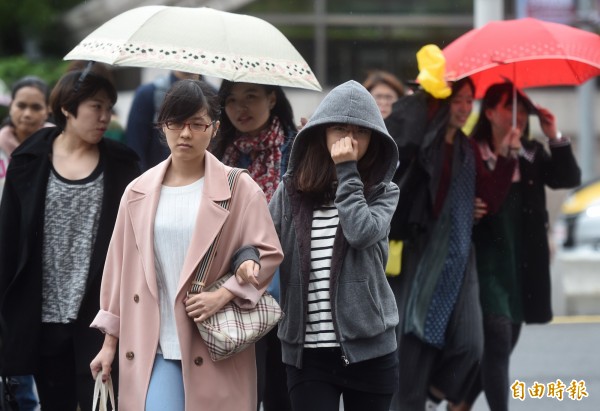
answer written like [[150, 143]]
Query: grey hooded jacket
[[364, 310]]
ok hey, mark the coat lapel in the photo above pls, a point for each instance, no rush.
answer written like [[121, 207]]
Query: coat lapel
[[211, 217], [142, 211]]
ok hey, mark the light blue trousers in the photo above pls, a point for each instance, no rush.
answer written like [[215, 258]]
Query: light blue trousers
[[166, 386]]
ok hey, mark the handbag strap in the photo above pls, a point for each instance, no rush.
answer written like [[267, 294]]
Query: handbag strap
[[103, 393], [202, 271]]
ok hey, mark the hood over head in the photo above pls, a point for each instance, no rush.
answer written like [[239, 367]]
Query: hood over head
[[350, 103]]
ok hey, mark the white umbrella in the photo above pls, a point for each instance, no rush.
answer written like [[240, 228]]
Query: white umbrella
[[199, 40]]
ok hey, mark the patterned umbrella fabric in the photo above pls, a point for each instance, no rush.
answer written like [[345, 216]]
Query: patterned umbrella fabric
[[528, 52], [199, 40]]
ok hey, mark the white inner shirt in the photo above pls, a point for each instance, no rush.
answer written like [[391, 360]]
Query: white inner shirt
[[173, 229]]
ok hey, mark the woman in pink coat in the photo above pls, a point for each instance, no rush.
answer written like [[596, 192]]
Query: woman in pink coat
[[167, 219]]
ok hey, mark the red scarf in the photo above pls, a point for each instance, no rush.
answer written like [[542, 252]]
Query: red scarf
[[265, 150]]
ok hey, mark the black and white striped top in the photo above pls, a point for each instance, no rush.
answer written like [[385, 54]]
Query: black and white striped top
[[319, 325]]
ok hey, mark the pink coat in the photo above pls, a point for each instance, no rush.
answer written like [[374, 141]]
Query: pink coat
[[129, 305]]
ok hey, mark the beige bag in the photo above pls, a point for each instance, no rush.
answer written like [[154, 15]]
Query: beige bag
[[232, 329], [103, 395]]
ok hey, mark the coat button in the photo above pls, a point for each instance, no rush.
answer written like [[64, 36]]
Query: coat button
[[129, 355], [198, 361], [136, 298]]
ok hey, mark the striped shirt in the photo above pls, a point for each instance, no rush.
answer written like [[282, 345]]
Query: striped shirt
[[319, 324]]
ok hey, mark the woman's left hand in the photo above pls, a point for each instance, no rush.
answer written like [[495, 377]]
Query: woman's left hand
[[204, 305], [547, 123], [247, 272]]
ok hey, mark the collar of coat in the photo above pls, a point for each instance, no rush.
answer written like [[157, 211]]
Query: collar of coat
[[216, 187]]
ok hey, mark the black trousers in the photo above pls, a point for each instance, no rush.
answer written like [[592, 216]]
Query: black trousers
[[501, 336], [270, 369], [323, 379], [60, 387]]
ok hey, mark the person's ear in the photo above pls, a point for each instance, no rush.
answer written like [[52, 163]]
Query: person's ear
[[215, 129], [488, 113], [272, 100]]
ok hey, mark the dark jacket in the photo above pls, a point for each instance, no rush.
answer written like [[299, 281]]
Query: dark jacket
[[417, 124], [556, 170], [21, 237], [538, 168], [363, 307], [141, 133]]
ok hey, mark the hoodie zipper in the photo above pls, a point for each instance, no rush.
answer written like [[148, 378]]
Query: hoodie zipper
[[333, 302]]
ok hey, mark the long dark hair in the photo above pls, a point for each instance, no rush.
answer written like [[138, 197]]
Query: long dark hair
[[457, 85], [314, 172], [482, 131], [227, 132]]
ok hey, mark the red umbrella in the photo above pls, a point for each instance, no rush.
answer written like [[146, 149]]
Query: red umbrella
[[529, 52]]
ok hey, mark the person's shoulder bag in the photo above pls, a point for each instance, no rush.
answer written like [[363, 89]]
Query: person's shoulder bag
[[232, 328]]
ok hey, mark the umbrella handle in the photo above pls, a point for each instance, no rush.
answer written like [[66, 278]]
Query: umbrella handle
[[514, 97]]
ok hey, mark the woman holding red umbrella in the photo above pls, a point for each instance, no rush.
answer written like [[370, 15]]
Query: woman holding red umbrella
[[511, 240]]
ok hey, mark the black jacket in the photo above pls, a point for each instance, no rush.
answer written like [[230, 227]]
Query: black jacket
[[21, 237], [557, 169]]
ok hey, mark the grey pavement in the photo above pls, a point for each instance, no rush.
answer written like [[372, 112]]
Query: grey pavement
[[568, 349]]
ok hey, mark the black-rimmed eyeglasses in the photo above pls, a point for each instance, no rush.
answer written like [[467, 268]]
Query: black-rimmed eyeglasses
[[179, 125]]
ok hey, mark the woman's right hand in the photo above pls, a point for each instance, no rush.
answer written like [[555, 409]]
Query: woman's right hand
[[480, 209], [511, 143], [103, 361]]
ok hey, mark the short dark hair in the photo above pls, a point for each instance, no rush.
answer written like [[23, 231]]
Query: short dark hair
[[376, 77], [185, 98], [75, 87], [31, 81], [227, 132]]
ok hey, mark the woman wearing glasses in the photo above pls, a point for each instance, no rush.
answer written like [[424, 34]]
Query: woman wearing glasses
[[332, 213], [167, 219], [385, 88], [58, 210]]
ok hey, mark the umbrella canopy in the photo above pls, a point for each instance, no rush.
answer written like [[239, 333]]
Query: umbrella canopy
[[199, 40], [529, 52]]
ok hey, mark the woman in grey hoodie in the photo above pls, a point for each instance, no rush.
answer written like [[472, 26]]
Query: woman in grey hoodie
[[332, 215]]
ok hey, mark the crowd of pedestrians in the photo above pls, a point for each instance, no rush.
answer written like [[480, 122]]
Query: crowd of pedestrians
[[99, 242]]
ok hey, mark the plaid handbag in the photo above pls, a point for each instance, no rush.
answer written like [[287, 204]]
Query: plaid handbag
[[232, 329]]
